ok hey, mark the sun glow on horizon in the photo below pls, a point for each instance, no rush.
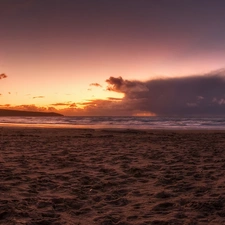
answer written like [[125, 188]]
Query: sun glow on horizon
[[143, 114]]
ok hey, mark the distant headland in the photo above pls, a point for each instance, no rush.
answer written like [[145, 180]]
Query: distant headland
[[8, 112]]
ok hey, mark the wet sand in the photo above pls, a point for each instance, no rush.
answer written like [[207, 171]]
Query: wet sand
[[106, 177]]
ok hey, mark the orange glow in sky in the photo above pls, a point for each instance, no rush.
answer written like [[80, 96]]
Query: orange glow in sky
[[52, 51]]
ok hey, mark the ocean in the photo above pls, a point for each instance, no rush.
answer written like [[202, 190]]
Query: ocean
[[97, 122]]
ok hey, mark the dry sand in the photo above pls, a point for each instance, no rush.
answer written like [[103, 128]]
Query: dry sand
[[78, 176]]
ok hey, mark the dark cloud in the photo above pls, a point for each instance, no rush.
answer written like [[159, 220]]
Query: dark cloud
[[95, 84], [192, 95], [118, 84], [2, 76], [38, 97]]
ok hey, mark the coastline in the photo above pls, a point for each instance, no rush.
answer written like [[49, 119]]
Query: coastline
[[68, 127], [109, 128], [107, 176], [139, 123]]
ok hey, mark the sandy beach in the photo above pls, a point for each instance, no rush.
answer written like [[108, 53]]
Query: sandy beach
[[106, 177]]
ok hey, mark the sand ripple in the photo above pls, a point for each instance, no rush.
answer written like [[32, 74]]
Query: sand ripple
[[68, 176]]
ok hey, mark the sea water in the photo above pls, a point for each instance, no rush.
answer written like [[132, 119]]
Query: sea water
[[213, 123]]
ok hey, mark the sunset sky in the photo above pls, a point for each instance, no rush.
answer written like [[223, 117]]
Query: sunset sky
[[113, 57]]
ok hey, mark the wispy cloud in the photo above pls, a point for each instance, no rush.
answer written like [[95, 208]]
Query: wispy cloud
[[5, 105], [61, 104], [38, 97], [73, 105], [114, 99], [95, 85], [65, 104], [31, 107]]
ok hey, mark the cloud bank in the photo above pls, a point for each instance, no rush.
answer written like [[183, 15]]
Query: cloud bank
[[191, 95]]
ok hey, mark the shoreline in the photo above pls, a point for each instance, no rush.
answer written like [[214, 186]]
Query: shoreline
[[106, 128]]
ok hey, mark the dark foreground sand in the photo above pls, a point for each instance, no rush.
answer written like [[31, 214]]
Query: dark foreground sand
[[69, 176]]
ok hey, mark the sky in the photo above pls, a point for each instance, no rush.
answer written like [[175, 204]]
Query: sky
[[113, 57]]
